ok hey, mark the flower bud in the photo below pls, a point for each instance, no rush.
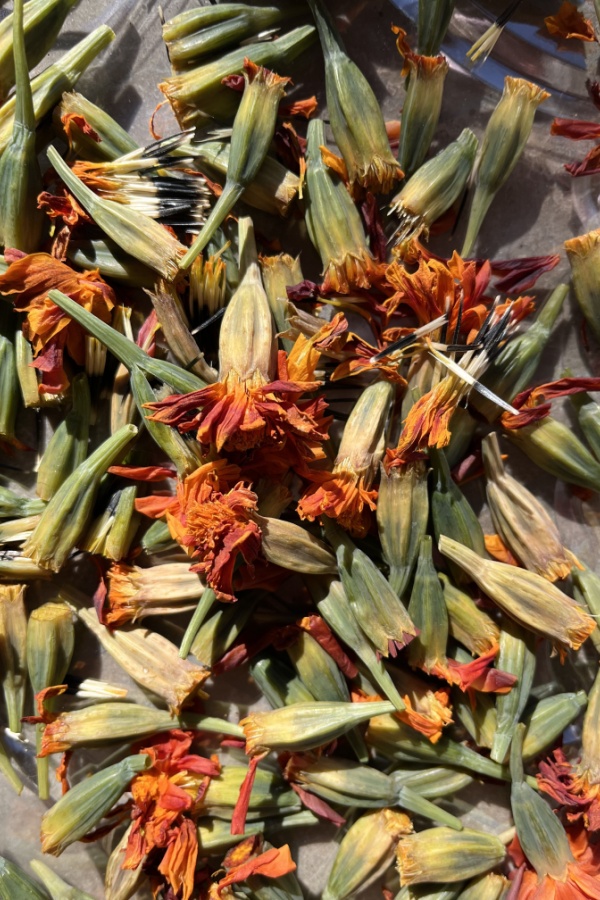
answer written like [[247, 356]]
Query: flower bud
[[134, 593], [444, 855], [114, 140], [434, 18], [421, 111], [81, 808], [428, 611], [402, 515], [68, 446], [521, 521], [365, 852], [554, 447], [292, 547], [506, 134], [13, 652], [526, 597], [67, 514], [151, 660], [253, 130], [517, 657], [434, 188], [305, 726], [354, 112], [198, 95], [278, 273], [333, 222]]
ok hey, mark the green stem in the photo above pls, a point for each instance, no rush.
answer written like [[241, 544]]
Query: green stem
[[202, 610], [24, 112], [229, 197]]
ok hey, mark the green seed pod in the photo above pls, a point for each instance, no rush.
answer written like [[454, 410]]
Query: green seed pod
[[400, 743], [15, 884], [549, 719], [67, 514], [434, 188], [133, 231], [586, 591], [377, 608], [365, 852], [13, 652], [120, 883], [288, 545], [478, 718], [521, 520], [427, 609], [486, 887], [7, 770], [112, 262], [468, 624], [21, 222], [50, 643], [432, 783], [354, 112], [114, 140], [451, 512], [335, 608], [9, 393], [216, 635], [588, 416], [197, 33], [305, 726], [334, 224], [554, 447], [444, 855], [278, 683], [214, 835], [183, 346], [81, 808], [278, 273], [517, 657], [253, 130], [583, 254], [151, 660], [269, 791], [47, 87], [506, 134], [402, 515], [526, 597], [68, 446], [539, 830], [422, 106], [434, 18], [198, 95]]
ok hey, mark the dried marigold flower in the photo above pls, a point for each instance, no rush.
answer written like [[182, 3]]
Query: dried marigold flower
[[28, 280], [444, 855]]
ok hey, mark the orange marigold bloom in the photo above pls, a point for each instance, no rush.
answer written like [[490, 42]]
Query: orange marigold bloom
[[239, 415], [47, 327], [428, 421], [581, 880], [573, 788], [246, 860], [211, 518], [342, 495], [164, 795], [438, 287], [569, 23]]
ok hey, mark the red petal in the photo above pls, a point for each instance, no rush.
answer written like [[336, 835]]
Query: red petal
[[519, 275], [143, 473], [153, 506], [238, 819], [576, 129], [318, 806]]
